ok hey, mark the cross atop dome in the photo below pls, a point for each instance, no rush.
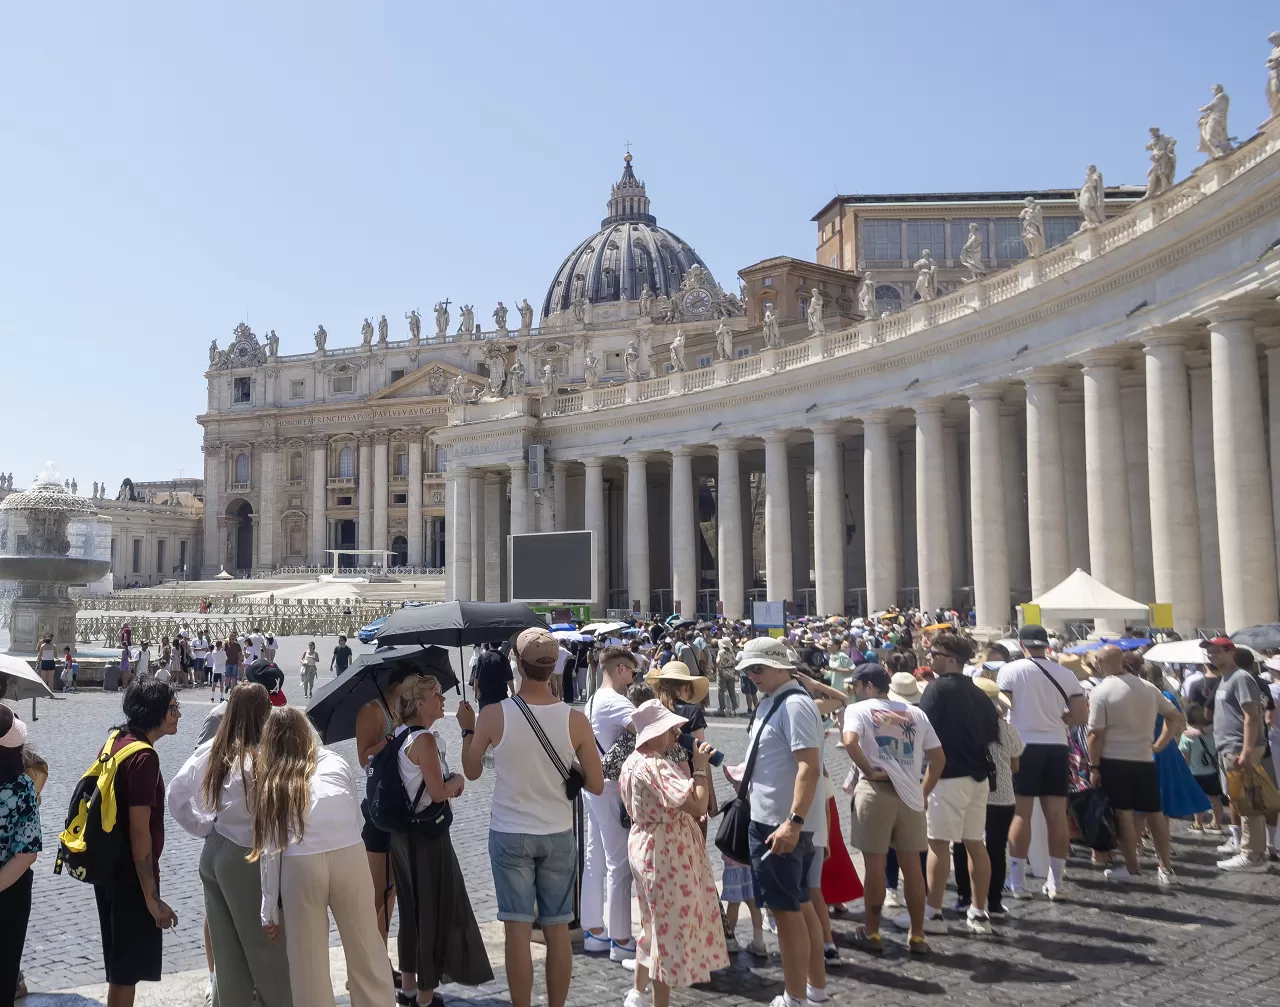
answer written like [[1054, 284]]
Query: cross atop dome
[[627, 199]]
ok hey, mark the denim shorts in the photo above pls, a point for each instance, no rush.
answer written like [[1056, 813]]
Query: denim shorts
[[231, 672], [534, 873], [781, 880]]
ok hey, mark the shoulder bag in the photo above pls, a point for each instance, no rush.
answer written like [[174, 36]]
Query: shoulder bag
[[733, 836], [572, 775]]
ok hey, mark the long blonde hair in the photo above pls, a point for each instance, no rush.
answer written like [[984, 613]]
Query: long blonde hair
[[282, 781], [237, 739]]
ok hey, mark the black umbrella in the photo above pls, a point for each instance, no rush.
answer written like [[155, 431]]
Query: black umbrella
[[1265, 638], [458, 623], [334, 708]]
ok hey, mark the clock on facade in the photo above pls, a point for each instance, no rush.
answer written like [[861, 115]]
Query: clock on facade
[[696, 302]]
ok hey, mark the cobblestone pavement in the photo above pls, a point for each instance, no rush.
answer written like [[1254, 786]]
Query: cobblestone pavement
[[1211, 939]]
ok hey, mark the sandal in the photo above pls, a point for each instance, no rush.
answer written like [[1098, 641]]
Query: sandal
[[917, 945], [863, 941]]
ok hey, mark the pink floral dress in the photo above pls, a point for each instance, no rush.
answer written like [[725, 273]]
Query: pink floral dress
[[682, 941]]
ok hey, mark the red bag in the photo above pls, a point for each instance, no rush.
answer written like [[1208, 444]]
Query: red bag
[[840, 881]]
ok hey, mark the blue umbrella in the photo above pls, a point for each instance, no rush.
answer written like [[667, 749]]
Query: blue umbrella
[[564, 627], [1124, 643]]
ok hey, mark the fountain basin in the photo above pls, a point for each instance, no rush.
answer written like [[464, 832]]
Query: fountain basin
[[77, 570]]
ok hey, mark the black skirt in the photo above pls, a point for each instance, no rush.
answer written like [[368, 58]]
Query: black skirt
[[439, 939]]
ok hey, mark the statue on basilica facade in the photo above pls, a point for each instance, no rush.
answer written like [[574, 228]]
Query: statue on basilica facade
[[515, 379], [442, 319], [366, 334], [677, 352], [579, 308], [867, 296], [460, 392], [971, 253], [1214, 140], [591, 370], [1032, 217], [213, 352], [1273, 74], [769, 328], [95, 491], [526, 317], [273, 343], [496, 359], [926, 268], [550, 379], [500, 318], [631, 360], [817, 326], [322, 337], [646, 301], [415, 327], [382, 330], [724, 342], [1164, 162], [467, 324], [1092, 199]]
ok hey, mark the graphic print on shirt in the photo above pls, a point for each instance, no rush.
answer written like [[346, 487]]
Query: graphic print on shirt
[[895, 735]]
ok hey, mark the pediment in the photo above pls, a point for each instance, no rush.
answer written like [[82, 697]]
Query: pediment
[[431, 380]]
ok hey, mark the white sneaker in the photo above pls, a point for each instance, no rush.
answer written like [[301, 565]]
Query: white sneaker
[[1166, 877], [892, 900], [977, 921], [932, 924], [594, 943], [635, 998], [629, 964], [1243, 863], [622, 952], [1053, 894], [1119, 874], [1230, 846], [1018, 893], [757, 947]]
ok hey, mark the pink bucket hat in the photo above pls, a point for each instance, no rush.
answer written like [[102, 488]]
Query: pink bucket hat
[[652, 720]]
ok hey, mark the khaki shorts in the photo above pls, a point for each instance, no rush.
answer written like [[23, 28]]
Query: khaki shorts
[[881, 821], [957, 809]]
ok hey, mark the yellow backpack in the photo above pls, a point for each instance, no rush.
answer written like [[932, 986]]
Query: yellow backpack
[[90, 844]]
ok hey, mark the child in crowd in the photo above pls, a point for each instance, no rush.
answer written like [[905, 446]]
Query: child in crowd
[[1198, 748], [736, 890]]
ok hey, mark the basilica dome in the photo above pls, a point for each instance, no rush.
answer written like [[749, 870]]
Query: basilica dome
[[628, 251]]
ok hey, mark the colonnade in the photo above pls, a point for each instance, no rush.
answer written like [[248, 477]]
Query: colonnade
[[1146, 463]]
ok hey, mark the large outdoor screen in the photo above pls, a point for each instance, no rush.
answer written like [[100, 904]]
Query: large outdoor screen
[[551, 566]]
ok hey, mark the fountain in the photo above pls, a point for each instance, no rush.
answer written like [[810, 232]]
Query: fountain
[[50, 540]]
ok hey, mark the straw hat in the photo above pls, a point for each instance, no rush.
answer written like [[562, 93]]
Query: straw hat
[[652, 720], [678, 671], [1074, 664], [993, 693], [906, 687]]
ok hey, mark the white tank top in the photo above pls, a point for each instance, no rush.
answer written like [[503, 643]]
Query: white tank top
[[528, 792], [410, 772]]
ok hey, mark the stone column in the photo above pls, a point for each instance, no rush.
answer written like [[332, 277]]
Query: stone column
[[213, 552], [560, 496], [414, 499], [777, 518], [956, 496], [268, 498], [1175, 518], [593, 521], [638, 532], [729, 530], [986, 491], [493, 541], [1012, 429], [1046, 481], [1133, 403], [364, 498], [1206, 487], [878, 517], [477, 537], [1107, 476], [1071, 402], [828, 519], [519, 498], [380, 474], [933, 530], [458, 533], [684, 555], [318, 519], [1246, 533], [1273, 417]]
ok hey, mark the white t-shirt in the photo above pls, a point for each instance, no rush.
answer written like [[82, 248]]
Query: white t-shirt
[[200, 648], [1037, 705], [217, 660], [609, 712], [561, 659], [894, 737]]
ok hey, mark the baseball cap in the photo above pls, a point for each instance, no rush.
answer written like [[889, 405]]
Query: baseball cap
[[1219, 641], [874, 674], [1034, 634], [538, 648], [767, 651]]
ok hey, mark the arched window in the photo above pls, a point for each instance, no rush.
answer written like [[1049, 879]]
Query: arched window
[[346, 463], [242, 469], [887, 299]]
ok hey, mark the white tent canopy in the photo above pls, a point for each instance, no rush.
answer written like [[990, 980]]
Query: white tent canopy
[[1082, 597]]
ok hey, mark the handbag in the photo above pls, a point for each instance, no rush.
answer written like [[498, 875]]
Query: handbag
[[1252, 792], [623, 817], [572, 775], [733, 837]]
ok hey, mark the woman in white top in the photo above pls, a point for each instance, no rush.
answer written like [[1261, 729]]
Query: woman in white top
[[438, 932], [306, 841], [210, 798]]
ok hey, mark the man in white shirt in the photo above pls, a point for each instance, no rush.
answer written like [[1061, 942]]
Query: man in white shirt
[[606, 870], [889, 741], [1047, 699]]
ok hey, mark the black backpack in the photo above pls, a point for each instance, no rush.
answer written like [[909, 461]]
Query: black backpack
[[389, 806]]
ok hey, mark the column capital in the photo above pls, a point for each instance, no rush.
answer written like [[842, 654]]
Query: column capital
[[637, 457], [492, 479], [985, 393], [776, 436], [593, 463], [729, 444], [1103, 356], [825, 427], [518, 466], [682, 452], [1050, 374], [929, 407], [877, 417], [1228, 313], [381, 438]]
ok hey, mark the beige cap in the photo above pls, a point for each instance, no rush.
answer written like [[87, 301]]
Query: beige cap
[[538, 648]]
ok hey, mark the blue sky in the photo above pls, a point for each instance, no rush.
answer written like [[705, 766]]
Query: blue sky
[[171, 169]]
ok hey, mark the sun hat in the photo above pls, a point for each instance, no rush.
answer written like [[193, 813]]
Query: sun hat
[[652, 720], [906, 687], [992, 692], [767, 651], [537, 647], [1074, 664], [678, 671], [16, 736]]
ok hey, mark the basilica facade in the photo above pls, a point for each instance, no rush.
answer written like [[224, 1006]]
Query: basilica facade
[[1109, 402]]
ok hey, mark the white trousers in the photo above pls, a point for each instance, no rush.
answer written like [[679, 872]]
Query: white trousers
[[606, 875]]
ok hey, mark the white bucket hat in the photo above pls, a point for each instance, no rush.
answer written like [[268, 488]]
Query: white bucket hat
[[765, 650]]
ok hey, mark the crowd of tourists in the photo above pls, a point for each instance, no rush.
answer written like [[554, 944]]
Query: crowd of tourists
[[950, 749]]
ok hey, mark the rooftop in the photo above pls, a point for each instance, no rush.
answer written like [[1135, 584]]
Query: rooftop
[[1120, 192]]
